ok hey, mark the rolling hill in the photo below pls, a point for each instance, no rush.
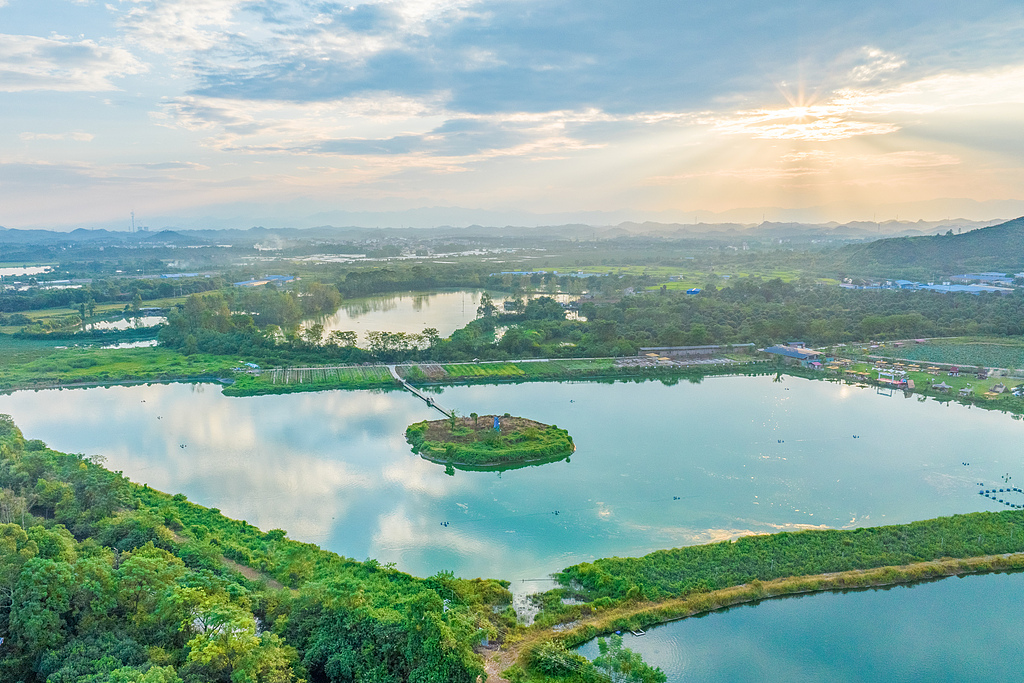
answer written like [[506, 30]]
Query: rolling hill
[[996, 248]]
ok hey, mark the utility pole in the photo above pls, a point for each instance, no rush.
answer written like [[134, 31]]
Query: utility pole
[[133, 221]]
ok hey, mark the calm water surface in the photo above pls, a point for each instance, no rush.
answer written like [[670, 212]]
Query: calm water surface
[[958, 629], [742, 454], [24, 270], [409, 312]]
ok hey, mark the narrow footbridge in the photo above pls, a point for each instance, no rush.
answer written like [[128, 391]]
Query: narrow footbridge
[[428, 399]]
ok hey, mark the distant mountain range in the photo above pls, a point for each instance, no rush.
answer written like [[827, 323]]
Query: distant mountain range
[[729, 232]]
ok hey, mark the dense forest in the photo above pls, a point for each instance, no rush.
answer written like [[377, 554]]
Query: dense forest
[[262, 323], [769, 311], [104, 580], [113, 290]]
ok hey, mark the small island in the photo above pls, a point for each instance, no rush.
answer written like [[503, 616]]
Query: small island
[[489, 441]]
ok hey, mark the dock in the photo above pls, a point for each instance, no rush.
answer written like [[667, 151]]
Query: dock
[[429, 400]]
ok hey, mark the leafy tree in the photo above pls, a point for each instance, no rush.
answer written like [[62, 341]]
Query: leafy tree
[[622, 665]]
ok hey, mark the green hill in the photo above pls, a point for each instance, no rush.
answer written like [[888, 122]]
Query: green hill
[[996, 248]]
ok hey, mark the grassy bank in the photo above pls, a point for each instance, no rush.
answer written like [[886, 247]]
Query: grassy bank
[[522, 660], [711, 567], [31, 364], [614, 594]]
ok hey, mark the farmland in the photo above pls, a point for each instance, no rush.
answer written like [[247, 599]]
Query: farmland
[[983, 352]]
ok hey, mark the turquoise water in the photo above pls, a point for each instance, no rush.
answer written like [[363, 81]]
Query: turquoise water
[[957, 629], [741, 454]]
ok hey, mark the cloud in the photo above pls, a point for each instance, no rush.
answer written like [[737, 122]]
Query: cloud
[[878, 64], [385, 126], [819, 123], [77, 136], [909, 159], [59, 63], [178, 25], [171, 166], [852, 111]]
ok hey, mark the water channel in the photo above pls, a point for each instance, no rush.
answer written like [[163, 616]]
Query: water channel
[[958, 629]]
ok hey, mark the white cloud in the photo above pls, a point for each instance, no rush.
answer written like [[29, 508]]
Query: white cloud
[[58, 63], [878, 64], [179, 25], [77, 136], [852, 112]]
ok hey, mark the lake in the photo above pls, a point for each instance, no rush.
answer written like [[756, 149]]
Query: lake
[[741, 454], [409, 312], [957, 629]]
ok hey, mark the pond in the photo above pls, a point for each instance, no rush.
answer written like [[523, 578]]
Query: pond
[[409, 312], [24, 270], [957, 629], [127, 323], [656, 466]]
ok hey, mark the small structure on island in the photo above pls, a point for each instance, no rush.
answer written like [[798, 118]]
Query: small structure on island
[[472, 443], [942, 386], [966, 392]]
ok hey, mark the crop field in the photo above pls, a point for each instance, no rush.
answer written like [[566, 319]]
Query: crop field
[[482, 370], [337, 375], [984, 353]]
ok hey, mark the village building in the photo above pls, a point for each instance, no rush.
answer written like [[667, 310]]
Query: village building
[[799, 355]]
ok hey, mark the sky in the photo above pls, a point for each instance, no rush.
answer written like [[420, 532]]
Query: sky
[[291, 111]]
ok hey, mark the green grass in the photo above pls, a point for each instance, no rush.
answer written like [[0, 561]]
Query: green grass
[[32, 363]]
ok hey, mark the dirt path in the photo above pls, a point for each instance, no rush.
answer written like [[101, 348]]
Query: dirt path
[[252, 574]]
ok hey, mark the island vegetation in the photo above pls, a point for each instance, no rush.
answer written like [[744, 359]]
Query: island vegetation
[[474, 441]]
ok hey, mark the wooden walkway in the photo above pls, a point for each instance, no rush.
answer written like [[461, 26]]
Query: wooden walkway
[[428, 399]]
